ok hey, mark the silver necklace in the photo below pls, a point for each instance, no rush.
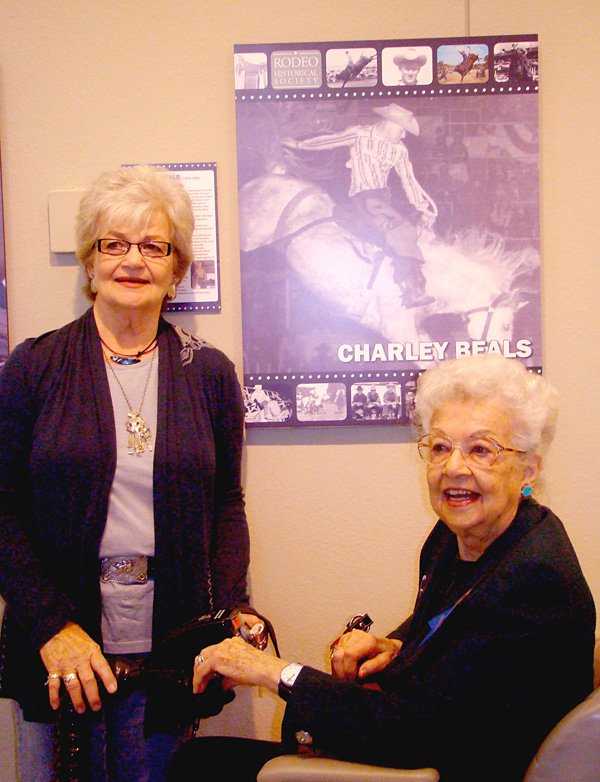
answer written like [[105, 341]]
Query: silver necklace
[[139, 436]]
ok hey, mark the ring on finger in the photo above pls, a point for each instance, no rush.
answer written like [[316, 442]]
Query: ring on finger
[[70, 677], [199, 659], [52, 676]]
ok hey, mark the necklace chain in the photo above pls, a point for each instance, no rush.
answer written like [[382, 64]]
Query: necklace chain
[[139, 436]]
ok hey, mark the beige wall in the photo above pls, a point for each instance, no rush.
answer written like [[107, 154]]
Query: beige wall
[[336, 516]]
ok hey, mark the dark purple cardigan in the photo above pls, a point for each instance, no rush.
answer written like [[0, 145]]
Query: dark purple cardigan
[[57, 461]]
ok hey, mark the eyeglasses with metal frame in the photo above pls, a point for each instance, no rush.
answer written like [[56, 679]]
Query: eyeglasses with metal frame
[[436, 449], [149, 248]]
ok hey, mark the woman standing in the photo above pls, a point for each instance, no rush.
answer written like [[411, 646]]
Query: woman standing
[[121, 505]]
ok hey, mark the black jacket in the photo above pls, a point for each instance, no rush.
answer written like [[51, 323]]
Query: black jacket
[[477, 697]]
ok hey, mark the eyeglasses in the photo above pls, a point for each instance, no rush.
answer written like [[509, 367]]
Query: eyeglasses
[[480, 451], [149, 248]]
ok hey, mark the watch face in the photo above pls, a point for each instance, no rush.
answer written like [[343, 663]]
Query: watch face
[[290, 673]]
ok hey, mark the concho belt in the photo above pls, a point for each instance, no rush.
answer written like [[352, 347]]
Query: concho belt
[[126, 569]]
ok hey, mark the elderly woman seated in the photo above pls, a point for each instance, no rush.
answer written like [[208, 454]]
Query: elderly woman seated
[[500, 642]]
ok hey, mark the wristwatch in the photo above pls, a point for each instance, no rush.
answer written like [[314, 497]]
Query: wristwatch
[[287, 677]]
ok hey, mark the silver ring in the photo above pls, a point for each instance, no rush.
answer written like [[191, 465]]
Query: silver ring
[[70, 677], [199, 659], [52, 676], [304, 738]]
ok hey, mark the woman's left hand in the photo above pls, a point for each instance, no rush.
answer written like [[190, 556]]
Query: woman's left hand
[[238, 663], [359, 654]]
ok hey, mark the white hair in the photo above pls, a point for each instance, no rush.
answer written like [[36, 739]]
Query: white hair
[[529, 400]]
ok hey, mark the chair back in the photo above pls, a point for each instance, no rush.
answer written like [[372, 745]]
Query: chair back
[[571, 751]]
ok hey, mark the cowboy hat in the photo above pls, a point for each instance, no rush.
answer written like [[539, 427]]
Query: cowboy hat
[[403, 117], [410, 57]]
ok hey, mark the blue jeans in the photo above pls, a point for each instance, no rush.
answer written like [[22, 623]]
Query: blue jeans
[[119, 750], [34, 748]]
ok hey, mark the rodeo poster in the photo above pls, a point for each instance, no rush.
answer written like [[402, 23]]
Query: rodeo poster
[[389, 218]]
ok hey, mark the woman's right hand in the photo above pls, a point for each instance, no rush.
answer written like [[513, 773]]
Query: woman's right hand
[[359, 654], [74, 655], [238, 662]]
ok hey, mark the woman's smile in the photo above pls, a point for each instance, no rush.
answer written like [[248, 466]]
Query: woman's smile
[[461, 497], [131, 281]]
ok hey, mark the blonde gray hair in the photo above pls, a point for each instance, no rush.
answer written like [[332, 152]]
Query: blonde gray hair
[[529, 400], [133, 195]]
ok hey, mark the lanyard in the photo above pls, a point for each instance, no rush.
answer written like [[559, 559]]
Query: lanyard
[[439, 619]]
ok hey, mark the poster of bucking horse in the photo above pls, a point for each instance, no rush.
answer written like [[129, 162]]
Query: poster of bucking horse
[[389, 218]]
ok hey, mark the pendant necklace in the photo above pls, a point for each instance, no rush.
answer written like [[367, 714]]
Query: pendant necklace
[[128, 358], [139, 436]]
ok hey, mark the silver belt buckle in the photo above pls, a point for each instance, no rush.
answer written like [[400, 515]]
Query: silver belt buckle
[[124, 570]]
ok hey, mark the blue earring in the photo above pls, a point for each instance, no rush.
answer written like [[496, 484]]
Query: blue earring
[[526, 491]]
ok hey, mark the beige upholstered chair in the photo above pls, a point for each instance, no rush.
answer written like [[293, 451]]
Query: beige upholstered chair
[[572, 749], [570, 753], [299, 768]]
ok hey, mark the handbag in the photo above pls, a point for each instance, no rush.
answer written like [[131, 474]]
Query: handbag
[[169, 669]]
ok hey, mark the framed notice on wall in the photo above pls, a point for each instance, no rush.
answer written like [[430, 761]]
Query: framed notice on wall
[[389, 219], [200, 289]]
